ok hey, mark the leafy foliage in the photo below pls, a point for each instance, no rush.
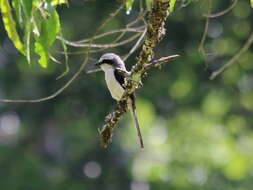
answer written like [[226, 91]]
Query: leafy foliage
[[172, 5], [49, 28], [10, 25], [39, 23]]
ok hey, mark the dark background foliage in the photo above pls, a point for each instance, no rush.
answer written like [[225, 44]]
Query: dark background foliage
[[198, 133]]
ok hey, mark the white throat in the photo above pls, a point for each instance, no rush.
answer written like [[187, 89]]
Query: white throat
[[106, 67], [113, 85]]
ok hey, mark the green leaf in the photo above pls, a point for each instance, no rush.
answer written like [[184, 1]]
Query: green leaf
[[10, 25], [27, 40], [27, 6], [172, 5], [18, 10], [129, 4], [58, 2], [42, 52], [251, 2], [50, 27]]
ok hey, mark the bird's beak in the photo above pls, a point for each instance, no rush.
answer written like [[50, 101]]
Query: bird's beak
[[98, 64]]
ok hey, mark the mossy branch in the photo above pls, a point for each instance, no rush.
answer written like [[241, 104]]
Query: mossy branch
[[155, 33]]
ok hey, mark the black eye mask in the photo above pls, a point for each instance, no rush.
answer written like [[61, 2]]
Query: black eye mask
[[108, 61]]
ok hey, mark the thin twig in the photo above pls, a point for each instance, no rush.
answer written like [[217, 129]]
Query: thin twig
[[139, 29], [54, 94], [136, 46], [221, 13], [162, 60], [139, 18], [106, 46], [203, 38], [127, 29], [93, 71], [103, 45], [233, 60], [121, 35]]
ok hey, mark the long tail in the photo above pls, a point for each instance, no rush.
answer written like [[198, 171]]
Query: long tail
[[136, 123]]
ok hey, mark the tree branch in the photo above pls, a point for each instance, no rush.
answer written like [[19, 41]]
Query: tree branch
[[233, 60], [111, 45], [162, 60], [221, 13], [155, 33]]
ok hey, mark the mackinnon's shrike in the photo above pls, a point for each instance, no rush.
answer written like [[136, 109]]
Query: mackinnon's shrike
[[114, 69]]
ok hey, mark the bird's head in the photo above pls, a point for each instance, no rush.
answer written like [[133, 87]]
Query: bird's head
[[110, 61]]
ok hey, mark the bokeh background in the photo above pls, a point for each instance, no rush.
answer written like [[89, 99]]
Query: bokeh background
[[198, 133]]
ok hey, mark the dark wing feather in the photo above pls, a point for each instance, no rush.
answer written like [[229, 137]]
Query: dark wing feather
[[121, 79]]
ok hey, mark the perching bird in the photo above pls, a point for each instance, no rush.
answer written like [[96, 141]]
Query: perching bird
[[114, 67]]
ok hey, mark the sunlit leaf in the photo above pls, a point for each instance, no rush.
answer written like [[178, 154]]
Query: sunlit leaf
[[129, 4], [50, 27], [36, 24], [172, 5], [27, 6], [58, 2], [251, 2], [10, 25], [42, 52], [27, 40], [18, 10]]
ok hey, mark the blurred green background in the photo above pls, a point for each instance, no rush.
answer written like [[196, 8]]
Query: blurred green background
[[198, 133]]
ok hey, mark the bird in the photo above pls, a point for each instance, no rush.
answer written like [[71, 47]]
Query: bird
[[115, 76]]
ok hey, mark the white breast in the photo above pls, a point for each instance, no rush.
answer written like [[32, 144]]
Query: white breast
[[113, 85]]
